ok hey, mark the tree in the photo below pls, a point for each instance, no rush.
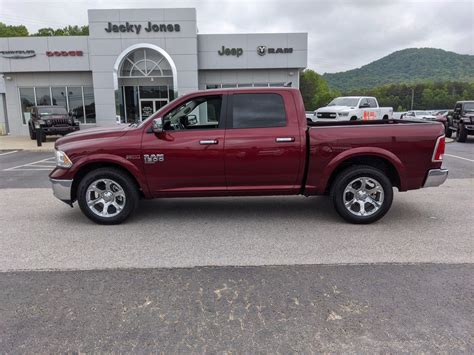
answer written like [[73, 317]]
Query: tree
[[65, 31], [315, 90], [13, 31]]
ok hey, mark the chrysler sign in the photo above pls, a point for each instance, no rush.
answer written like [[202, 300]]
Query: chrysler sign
[[17, 54]]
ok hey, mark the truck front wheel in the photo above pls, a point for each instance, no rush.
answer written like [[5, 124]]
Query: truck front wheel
[[32, 133], [107, 196], [362, 194]]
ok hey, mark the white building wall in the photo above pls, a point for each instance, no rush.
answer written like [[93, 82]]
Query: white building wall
[[106, 47]]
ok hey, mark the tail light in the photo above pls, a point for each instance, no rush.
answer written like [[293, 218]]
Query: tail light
[[439, 150]]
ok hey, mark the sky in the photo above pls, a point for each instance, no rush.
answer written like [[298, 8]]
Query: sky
[[342, 34]]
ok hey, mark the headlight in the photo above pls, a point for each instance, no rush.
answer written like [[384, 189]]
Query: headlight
[[344, 114], [62, 160]]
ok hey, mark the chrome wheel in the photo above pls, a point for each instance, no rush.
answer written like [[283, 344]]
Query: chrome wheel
[[105, 198], [363, 196]]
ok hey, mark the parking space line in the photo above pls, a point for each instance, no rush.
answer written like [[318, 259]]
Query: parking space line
[[42, 164], [455, 156], [13, 151]]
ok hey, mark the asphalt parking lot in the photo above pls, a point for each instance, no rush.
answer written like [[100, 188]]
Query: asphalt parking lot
[[236, 274]]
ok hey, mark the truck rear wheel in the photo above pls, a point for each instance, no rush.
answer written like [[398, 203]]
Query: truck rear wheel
[[461, 134], [107, 196], [362, 194]]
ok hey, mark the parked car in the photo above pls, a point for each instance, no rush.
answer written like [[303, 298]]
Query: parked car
[[309, 115], [53, 120], [352, 108], [239, 142], [419, 115], [461, 121], [398, 115]]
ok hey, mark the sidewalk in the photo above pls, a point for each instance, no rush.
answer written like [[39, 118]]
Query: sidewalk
[[25, 143]]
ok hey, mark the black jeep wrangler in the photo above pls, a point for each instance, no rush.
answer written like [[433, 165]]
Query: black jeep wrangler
[[52, 120], [461, 121]]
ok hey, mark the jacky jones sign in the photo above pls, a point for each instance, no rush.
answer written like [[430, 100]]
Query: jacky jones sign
[[136, 28]]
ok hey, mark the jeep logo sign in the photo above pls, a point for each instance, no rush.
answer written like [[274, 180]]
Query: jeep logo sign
[[262, 50], [230, 51]]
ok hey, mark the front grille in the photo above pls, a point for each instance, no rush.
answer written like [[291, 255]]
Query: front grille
[[59, 122], [326, 115]]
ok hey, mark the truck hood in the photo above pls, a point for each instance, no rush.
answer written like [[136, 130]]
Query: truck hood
[[93, 133], [334, 108]]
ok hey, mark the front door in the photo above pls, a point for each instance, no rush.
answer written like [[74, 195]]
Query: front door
[[149, 106], [189, 153]]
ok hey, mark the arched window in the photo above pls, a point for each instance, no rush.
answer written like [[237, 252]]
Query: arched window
[[145, 62]]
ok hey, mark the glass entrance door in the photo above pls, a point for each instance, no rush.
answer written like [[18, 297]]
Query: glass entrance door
[[149, 106]]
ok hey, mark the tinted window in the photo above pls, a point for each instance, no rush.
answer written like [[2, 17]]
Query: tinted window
[[89, 104], [43, 96], [197, 113], [27, 99], [372, 102], [258, 110]]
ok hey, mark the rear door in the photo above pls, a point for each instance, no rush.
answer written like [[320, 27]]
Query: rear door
[[263, 147]]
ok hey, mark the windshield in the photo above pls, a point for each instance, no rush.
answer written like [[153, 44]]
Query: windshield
[[48, 111], [469, 107], [344, 101]]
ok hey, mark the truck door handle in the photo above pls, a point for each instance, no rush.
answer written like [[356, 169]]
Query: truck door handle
[[284, 139], [208, 141]]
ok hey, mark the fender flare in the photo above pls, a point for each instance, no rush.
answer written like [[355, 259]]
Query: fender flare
[[364, 151], [116, 160]]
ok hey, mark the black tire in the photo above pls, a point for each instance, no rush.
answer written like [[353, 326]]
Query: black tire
[[43, 137], [343, 180], [354, 118], [461, 134], [448, 132], [32, 132], [385, 117], [120, 178]]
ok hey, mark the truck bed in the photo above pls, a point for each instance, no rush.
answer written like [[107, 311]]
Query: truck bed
[[406, 146]]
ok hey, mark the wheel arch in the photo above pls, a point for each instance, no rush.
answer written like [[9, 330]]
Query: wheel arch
[[91, 165], [391, 166]]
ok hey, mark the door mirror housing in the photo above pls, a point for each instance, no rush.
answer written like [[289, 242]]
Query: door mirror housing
[[157, 125]]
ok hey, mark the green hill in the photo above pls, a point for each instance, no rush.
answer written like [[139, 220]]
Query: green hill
[[412, 65]]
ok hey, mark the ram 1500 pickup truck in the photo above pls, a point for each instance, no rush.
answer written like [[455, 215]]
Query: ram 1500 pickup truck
[[241, 142], [352, 108]]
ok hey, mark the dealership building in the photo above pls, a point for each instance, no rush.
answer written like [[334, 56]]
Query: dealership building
[[133, 62]]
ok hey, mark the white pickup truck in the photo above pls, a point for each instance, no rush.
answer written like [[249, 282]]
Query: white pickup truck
[[351, 108]]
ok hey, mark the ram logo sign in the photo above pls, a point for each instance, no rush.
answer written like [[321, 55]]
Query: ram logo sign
[[153, 158]]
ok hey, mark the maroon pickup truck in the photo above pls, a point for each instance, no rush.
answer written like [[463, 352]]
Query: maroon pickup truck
[[242, 142]]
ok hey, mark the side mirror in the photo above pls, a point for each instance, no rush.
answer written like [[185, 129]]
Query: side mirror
[[157, 125]]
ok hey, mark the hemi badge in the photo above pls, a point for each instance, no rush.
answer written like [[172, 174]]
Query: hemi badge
[[132, 157]]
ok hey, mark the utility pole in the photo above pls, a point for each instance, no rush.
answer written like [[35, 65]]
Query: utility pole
[[412, 97]]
